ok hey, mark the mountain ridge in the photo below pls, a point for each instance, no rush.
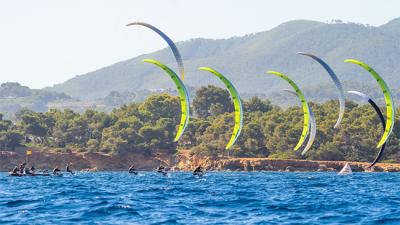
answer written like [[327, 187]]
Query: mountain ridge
[[245, 59]]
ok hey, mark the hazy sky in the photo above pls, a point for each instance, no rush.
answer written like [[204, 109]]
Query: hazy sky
[[43, 42]]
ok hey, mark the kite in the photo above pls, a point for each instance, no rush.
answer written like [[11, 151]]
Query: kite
[[183, 95], [388, 100], [237, 103], [171, 44], [335, 80], [378, 111], [313, 125], [306, 108]]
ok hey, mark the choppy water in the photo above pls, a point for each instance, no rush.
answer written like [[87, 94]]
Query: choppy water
[[217, 198]]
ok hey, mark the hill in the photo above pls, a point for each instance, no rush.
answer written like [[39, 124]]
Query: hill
[[245, 59], [14, 97]]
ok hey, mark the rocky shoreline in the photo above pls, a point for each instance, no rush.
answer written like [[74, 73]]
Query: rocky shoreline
[[180, 162], [284, 165]]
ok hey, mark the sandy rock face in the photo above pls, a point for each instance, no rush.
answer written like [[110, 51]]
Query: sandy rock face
[[48, 159], [289, 165], [81, 161]]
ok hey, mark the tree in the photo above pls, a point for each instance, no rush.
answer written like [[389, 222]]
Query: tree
[[9, 137], [162, 106], [252, 141], [4, 124], [33, 125], [212, 101], [256, 104], [122, 136], [150, 126]]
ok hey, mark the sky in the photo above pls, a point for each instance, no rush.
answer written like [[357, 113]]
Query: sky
[[45, 42]]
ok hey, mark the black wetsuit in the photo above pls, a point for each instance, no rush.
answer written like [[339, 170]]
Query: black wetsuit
[[27, 171], [198, 171], [15, 172], [56, 171], [161, 169], [133, 170], [22, 168], [69, 170]]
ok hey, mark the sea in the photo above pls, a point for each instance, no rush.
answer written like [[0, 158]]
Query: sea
[[215, 198]]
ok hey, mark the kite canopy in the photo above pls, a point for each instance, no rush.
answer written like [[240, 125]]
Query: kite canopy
[[388, 99], [378, 111], [183, 95], [171, 44], [335, 79], [236, 102], [306, 108], [313, 125]]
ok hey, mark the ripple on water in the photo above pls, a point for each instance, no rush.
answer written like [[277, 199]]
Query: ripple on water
[[217, 198]]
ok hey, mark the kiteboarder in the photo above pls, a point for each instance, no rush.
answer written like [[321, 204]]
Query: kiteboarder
[[56, 171], [68, 168], [161, 169], [15, 172], [198, 171], [33, 169], [27, 171], [132, 170], [22, 168]]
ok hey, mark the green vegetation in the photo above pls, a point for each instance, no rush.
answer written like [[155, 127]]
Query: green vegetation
[[14, 97], [150, 126]]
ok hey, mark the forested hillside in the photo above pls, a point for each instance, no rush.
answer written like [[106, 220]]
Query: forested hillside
[[245, 59], [14, 97], [150, 127]]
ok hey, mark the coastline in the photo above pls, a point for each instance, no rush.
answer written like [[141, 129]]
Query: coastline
[[86, 161]]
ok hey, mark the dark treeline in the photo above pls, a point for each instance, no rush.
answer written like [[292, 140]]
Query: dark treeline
[[150, 126]]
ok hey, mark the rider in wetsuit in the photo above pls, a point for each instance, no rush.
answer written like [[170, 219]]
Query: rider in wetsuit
[[32, 169], [27, 171], [68, 169], [161, 169], [198, 171], [15, 172], [132, 169], [22, 168], [56, 171]]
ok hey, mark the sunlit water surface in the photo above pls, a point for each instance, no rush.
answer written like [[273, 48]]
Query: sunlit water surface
[[216, 198]]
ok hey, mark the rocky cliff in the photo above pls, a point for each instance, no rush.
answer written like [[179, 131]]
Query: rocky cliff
[[185, 162], [288, 165]]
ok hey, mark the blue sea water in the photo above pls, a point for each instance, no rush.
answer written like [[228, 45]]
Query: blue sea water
[[216, 198]]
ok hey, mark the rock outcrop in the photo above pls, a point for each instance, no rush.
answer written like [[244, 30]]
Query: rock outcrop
[[81, 161], [289, 165], [50, 158]]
